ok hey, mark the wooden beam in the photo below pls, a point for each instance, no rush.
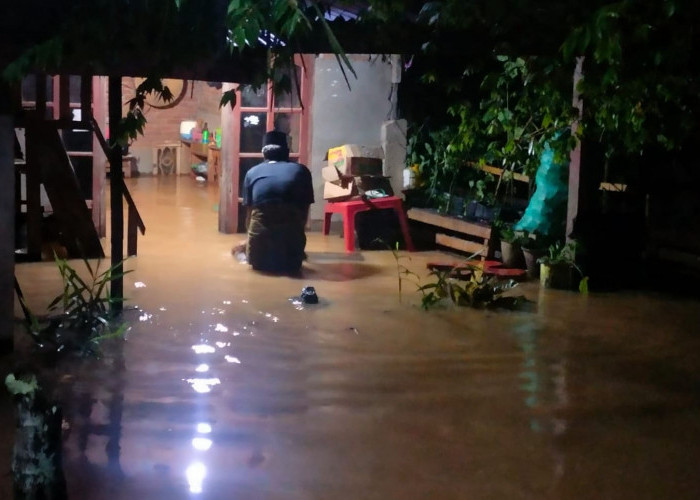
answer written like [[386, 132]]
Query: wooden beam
[[99, 158], [575, 161], [7, 223], [609, 186], [85, 98], [116, 193], [452, 223], [64, 97], [462, 245], [229, 182], [499, 172], [40, 88], [33, 186]]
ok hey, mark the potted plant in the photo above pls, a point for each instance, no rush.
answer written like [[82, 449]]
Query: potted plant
[[557, 268], [533, 248], [511, 252]]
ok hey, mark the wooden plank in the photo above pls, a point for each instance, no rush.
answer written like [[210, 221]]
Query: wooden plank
[[462, 245], [452, 223], [499, 172], [64, 97], [40, 85], [33, 187], [609, 186], [572, 204], [116, 193], [85, 98], [198, 149]]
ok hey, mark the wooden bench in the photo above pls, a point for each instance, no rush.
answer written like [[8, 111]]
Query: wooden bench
[[479, 233]]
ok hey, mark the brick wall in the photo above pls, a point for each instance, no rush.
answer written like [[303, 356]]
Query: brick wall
[[201, 102]]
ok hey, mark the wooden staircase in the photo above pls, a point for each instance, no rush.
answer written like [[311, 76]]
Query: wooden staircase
[[48, 160]]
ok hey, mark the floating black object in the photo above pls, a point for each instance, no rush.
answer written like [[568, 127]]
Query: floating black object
[[308, 295]]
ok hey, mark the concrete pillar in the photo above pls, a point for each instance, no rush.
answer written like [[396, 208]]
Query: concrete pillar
[[394, 146], [7, 231]]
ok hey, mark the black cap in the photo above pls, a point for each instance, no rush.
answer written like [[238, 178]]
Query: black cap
[[275, 137]]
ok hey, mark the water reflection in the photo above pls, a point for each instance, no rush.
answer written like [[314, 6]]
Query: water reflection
[[203, 385], [204, 428], [544, 380], [203, 368], [201, 443], [196, 473], [232, 359], [203, 349]]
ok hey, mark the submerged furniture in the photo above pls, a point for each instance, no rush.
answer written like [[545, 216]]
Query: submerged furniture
[[348, 209]]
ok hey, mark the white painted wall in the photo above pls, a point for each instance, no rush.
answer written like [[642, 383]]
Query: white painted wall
[[346, 116]]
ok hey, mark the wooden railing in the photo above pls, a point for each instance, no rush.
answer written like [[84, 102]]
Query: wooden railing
[[134, 220]]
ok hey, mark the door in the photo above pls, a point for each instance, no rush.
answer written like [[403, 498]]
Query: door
[[258, 111]]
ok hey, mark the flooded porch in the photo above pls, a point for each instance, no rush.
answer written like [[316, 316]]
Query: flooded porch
[[226, 389]]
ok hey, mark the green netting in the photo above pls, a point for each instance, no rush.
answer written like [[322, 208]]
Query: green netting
[[546, 213]]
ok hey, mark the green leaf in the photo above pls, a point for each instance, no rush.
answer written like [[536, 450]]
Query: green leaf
[[583, 285], [21, 387]]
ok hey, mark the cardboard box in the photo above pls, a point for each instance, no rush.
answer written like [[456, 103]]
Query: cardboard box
[[337, 192], [332, 174], [373, 182], [353, 159]]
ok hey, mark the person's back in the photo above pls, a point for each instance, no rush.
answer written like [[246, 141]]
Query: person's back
[[278, 182], [277, 193]]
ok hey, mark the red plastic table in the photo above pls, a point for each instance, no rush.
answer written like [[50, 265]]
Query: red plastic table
[[348, 209]]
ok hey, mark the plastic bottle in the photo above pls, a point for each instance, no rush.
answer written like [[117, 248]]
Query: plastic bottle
[[205, 134]]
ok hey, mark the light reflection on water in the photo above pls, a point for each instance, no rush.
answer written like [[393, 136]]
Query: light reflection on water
[[196, 473], [204, 428], [201, 443], [232, 359], [202, 368], [203, 385], [203, 349]]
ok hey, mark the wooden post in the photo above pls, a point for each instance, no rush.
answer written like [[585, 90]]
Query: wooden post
[[40, 86], [85, 98], [64, 97], [132, 232], [33, 186], [7, 223], [575, 161], [228, 182], [116, 192], [99, 159]]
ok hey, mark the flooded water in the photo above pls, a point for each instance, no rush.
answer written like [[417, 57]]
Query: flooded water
[[226, 389]]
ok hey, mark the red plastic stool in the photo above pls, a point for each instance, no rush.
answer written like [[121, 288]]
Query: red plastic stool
[[348, 209]]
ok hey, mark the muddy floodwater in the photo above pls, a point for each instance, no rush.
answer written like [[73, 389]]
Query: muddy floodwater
[[226, 389]]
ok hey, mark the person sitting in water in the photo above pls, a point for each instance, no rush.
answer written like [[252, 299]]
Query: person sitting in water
[[277, 194]]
